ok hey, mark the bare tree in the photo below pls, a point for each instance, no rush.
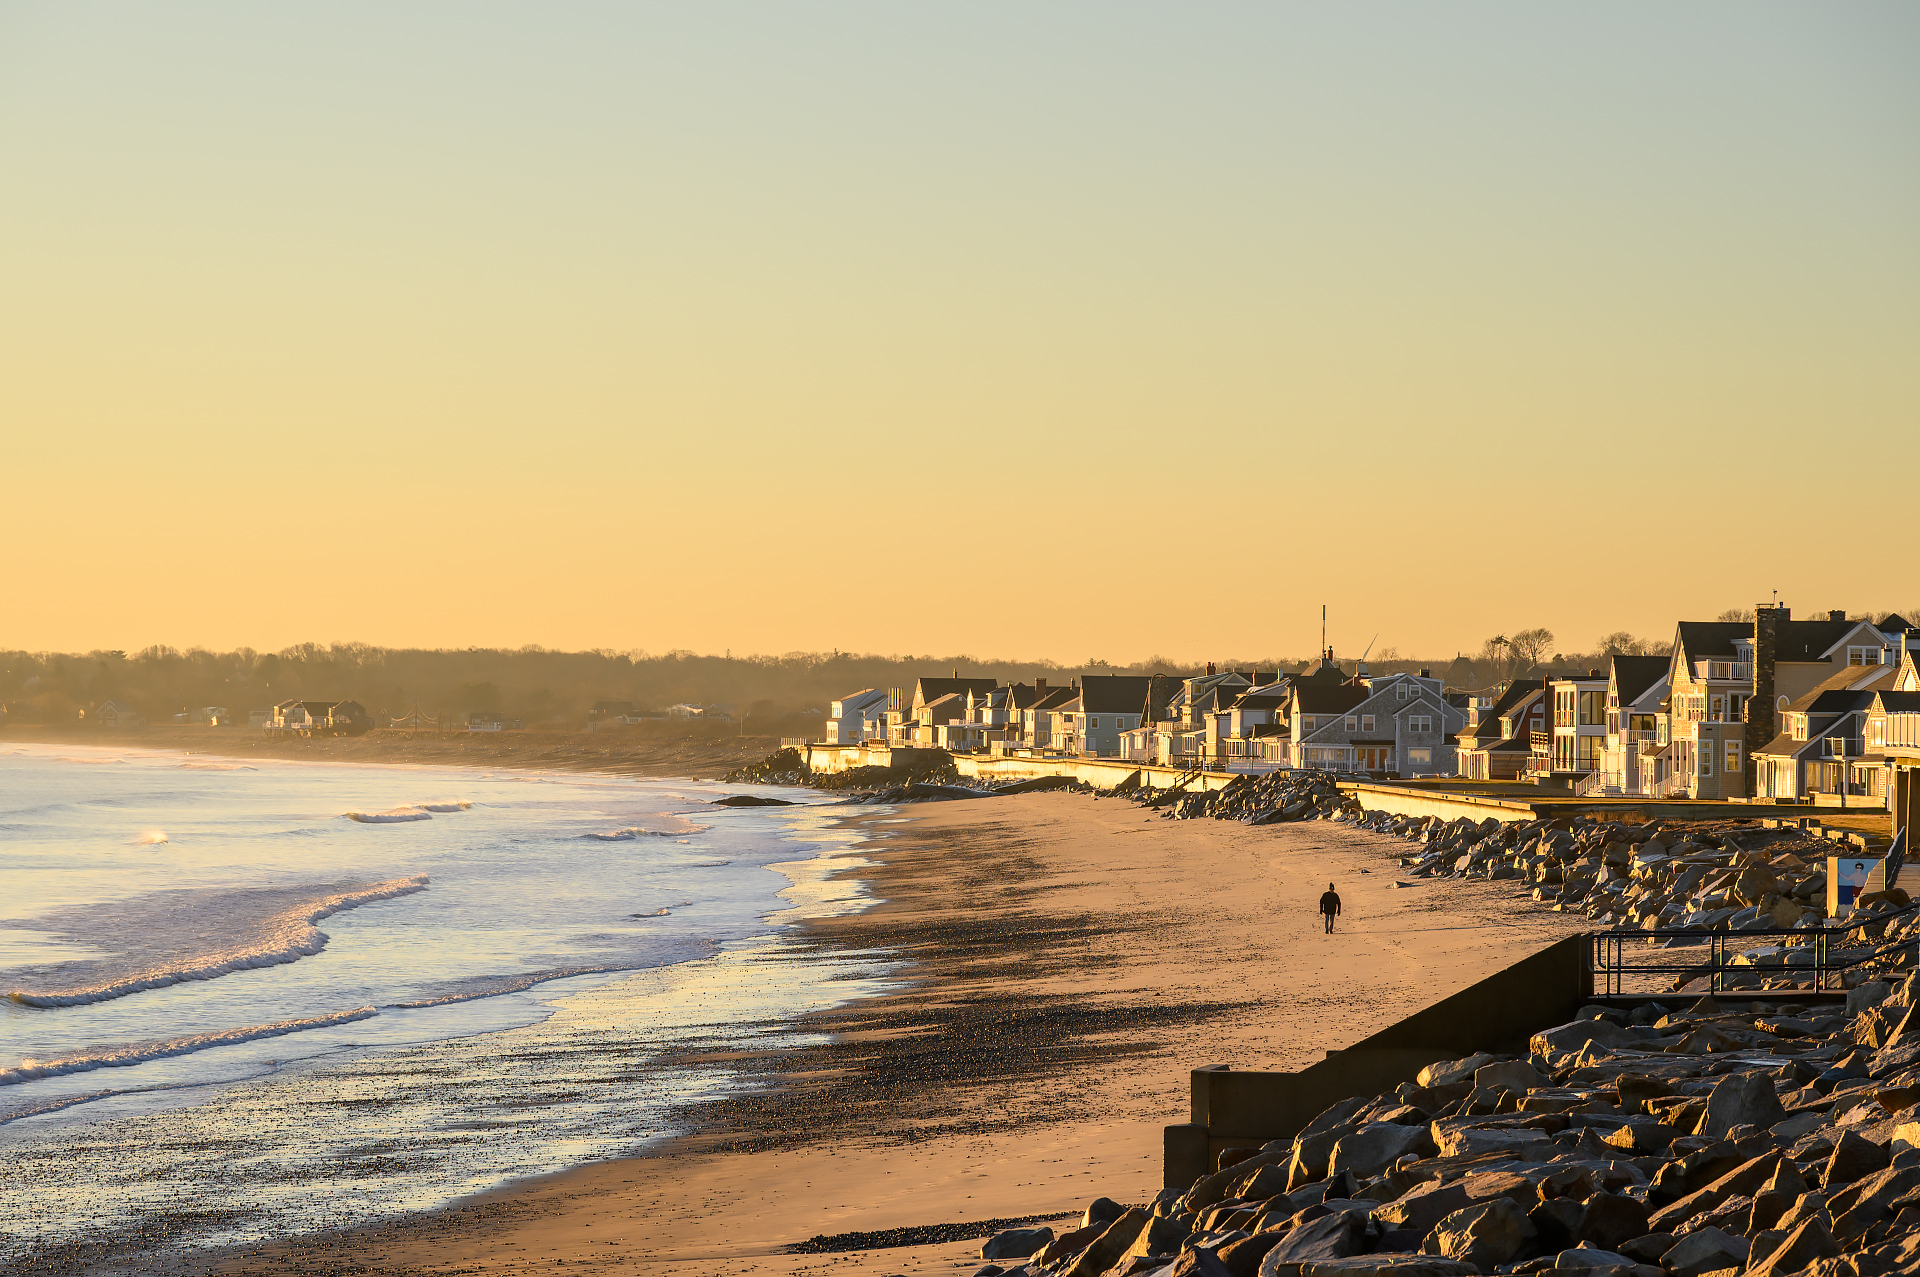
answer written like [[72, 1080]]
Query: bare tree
[[1621, 643], [1736, 614], [1530, 647]]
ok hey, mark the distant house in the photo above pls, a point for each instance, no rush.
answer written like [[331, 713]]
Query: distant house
[[117, 714], [1391, 723], [319, 718], [857, 717], [490, 721], [1497, 738], [1573, 745], [1636, 754], [1092, 722], [686, 711], [606, 715], [1822, 753]]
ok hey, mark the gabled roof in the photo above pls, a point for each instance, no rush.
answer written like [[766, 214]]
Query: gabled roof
[[1323, 698], [1897, 702], [1271, 696], [926, 690], [1705, 640], [1055, 698], [1633, 675], [1895, 624], [1113, 693], [1812, 640], [1850, 679], [1162, 689], [1517, 691]]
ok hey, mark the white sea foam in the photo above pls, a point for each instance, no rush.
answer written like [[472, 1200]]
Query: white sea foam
[[392, 817], [141, 1052], [511, 984], [151, 837], [220, 767], [285, 937], [446, 804], [627, 834]]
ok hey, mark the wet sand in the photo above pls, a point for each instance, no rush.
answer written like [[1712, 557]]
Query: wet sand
[[1073, 958]]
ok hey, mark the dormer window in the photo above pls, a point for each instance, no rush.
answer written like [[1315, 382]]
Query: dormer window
[[1799, 722], [1864, 655]]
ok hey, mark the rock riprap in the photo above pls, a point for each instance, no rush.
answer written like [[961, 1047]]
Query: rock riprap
[[1696, 1141]]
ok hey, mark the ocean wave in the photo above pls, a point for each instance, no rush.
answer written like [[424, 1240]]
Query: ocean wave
[[141, 1052], [54, 1105], [286, 937], [392, 817], [219, 767], [628, 834], [446, 804], [151, 837]]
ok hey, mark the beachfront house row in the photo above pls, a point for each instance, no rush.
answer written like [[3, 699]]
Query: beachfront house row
[[1254, 728], [856, 718], [1570, 747], [1177, 734], [1821, 755], [319, 718], [1497, 738], [1729, 682]]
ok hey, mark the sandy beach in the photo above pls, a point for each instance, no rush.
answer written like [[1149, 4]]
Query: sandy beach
[[1072, 959]]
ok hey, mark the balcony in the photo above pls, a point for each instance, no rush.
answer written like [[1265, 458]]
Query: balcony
[[1724, 671], [1542, 742]]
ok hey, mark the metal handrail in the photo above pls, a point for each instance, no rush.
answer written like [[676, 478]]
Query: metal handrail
[[1605, 952]]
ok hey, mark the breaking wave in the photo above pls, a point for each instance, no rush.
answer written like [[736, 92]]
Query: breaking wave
[[416, 811], [286, 938], [141, 1052], [628, 834]]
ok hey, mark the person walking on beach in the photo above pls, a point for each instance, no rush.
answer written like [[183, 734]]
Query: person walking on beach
[[1330, 907]]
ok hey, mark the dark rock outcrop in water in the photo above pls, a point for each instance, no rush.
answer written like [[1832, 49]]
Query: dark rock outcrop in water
[[750, 800]]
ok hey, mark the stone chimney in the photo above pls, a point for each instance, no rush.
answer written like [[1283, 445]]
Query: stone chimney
[[1040, 686], [1760, 709], [1209, 669], [1838, 614]]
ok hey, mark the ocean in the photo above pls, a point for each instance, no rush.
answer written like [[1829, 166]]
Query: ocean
[[246, 999]]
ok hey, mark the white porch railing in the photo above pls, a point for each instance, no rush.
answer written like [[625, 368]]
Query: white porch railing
[[1724, 671], [1675, 784]]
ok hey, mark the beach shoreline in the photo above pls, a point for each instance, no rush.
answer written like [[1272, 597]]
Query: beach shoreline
[[693, 755], [1071, 959]]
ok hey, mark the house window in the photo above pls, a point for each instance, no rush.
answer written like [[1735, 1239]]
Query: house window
[[1589, 755], [1593, 709], [1402, 691], [1366, 722], [1420, 724], [1306, 722], [1719, 709], [1353, 724], [1733, 755], [1094, 723], [1863, 656], [1420, 757], [1877, 731], [1704, 765], [1799, 722]]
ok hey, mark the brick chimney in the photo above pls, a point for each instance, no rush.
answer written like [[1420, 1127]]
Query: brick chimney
[[1040, 686], [1209, 669], [1760, 709]]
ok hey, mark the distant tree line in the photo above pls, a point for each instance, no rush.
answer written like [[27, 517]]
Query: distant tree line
[[549, 688]]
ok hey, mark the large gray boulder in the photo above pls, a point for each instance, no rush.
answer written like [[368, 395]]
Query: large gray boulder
[[1015, 1243], [1441, 1072], [1741, 1099], [1511, 1075], [1424, 1207], [1334, 1236], [1705, 1250], [1496, 1232], [1106, 1250], [1808, 1242], [1571, 1037], [1375, 1147], [1388, 1265]]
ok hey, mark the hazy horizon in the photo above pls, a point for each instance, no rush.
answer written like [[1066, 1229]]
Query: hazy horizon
[[1097, 330]]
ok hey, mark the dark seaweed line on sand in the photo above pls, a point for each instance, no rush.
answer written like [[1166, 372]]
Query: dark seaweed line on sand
[[915, 1235]]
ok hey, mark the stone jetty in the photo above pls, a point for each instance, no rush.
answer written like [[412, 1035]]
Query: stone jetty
[[1763, 1138]]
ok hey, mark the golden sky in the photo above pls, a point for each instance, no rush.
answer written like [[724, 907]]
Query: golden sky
[[1070, 330]]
